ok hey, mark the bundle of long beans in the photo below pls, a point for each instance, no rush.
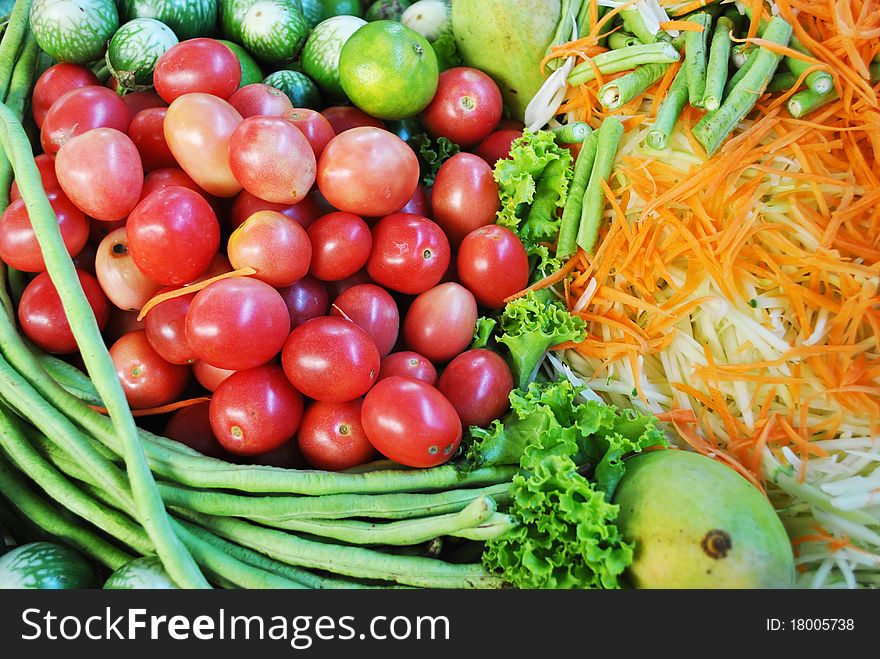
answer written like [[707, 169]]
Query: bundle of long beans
[[115, 491]]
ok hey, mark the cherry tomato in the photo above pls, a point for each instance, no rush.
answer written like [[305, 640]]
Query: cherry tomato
[[410, 365], [122, 281], [209, 376], [332, 437], [305, 299], [146, 378], [146, 131], [440, 322], [272, 159], [56, 81], [313, 125], [259, 99], [165, 325], [341, 245], [85, 260], [464, 197], [337, 288], [330, 359], [173, 235], [46, 165], [137, 101], [101, 173], [168, 176], [466, 107], [119, 323], [419, 204], [496, 146], [80, 110], [18, 243], [346, 117], [237, 323], [272, 244], [197, 65], [410, 253], [493, 264], [478, 384], [191, 426], [411, 422], [255, 411], [303, 213], [371, 308], [368, 171], [42, 317], [197, 129]]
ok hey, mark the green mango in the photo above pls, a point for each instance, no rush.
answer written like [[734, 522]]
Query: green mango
[[507, 39]]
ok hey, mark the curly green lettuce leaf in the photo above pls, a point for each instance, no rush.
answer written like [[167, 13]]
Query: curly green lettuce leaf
[[532, 184], [447, 52], [530, 325], [433, 153], [483, 332], [541, 263]]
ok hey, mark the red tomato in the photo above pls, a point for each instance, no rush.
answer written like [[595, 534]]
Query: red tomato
[[493, 264], [411, 422], [173, 235], [371, 308], [80, 110], [209, 376], [197, 129], [56, 81], [313, 125], [465, 196], [42, 317], [303, 213], [146, 131], [305, 299], [368, 171], [165, 325], [496, 146], [197, 65], [272, 244], [478, 384], [19, 248], [346, 117], [46, 165], [272, 159], [259, 99], [101, 173], [440, 322], [466, 107], [337, 288], [137, 101], [419, 204], [330, 359], [410, 253], [410, 365], [237, 323], [332, 437], [146, 378], [255, 411], [122, 281], [341, 244], [191, 426]]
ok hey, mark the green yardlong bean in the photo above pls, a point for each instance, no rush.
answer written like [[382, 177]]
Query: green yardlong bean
[[621, 91], [717, 68], [609, 136], [624, 59], [669, 112], [566, 243], [695, 58]]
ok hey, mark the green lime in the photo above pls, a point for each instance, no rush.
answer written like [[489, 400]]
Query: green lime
[[320, 55], [388, 70]]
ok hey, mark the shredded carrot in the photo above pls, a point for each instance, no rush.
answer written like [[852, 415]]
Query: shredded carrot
[[163, 409], [683, 26], [554, 278], [192, 288]]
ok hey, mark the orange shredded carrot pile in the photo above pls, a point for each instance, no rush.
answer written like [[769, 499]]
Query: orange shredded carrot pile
[[744, 290], [192, 288], [163, 409]]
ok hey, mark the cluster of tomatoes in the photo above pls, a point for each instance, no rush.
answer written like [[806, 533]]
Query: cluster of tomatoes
[[361, 289]]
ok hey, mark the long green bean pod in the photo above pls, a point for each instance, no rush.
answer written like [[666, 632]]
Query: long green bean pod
[[807, 100], [737, 20], [739, 53], [19, 88], [621, 91], [716, 69], [11, 42], [695, 60], [13, 524], [715, 126], [742, 71], [624, 59], [669, 112], [635, 24], [608, 142], [566, 243], [54, 522], [621, 39], [782, 82], [573, 133], [150, 510]]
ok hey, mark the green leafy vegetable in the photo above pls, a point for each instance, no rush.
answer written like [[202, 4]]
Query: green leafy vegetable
[[530, 325], [532, 185], [570, 452], [483, 332], [433, 154], [447, 52], [541, 264]]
